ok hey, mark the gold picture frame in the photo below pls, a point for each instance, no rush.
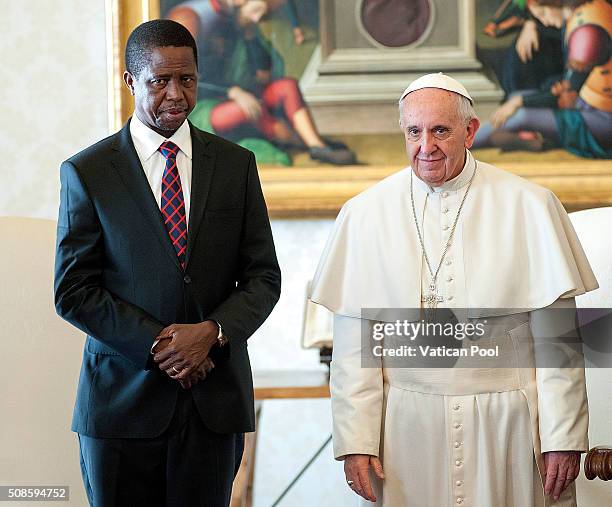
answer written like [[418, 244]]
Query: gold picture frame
[[321, 191]]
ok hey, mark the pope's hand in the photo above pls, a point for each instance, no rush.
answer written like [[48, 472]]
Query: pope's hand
[[357, 472], [562, 468]]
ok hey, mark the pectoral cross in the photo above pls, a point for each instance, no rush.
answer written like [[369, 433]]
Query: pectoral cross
[[432, 298]]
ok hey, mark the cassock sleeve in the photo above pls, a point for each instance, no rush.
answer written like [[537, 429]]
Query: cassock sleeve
[[356, 392], [560, 380]]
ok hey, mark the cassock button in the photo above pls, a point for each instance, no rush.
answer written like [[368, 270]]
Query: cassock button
[[456, 406], [446, 227], [457, 445], [187, 279], [459, 500], [450, 298], [458, 463], [448, 262], [444, 194], [459, 483], [449, 279], [456, 425], [444, 210]]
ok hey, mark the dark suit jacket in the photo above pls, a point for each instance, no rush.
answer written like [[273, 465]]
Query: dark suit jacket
[[118, 279]]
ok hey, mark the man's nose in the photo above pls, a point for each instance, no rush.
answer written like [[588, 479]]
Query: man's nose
[[174, 90], [428, 142]]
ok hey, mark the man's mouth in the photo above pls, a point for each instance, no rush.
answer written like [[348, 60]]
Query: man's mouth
[[175, 111]]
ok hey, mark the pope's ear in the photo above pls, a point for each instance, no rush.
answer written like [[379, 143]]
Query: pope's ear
[[472, 127], [129, 79]]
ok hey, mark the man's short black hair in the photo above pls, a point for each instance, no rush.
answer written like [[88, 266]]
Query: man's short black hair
[[155, 34]]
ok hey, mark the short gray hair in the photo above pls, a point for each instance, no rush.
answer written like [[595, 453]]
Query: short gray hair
[[465, 109]]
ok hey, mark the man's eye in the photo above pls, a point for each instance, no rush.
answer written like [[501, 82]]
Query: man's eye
[[158, 82], [441, 130], [413, 132]]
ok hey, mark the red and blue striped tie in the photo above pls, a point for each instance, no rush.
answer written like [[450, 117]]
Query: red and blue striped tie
[[172, 201]]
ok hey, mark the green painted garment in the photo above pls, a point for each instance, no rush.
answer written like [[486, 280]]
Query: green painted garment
[[265, 151], [239, 70], [576, 137]]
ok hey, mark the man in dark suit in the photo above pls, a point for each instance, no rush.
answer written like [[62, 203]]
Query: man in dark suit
[[165, 259]]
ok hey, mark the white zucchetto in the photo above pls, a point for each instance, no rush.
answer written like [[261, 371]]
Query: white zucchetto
[[438, 80]]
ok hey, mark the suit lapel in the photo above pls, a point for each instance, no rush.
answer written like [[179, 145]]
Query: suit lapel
[[202, 166], [127, 164]]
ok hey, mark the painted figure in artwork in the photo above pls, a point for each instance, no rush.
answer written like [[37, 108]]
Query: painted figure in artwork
[[243, 91], [575, 111], [534, 55]]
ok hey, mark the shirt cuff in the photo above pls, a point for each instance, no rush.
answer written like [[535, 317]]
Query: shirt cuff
[[154, 345], [220, 333], [221, 338]]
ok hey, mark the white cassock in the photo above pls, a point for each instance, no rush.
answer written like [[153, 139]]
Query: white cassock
[[456, 436]]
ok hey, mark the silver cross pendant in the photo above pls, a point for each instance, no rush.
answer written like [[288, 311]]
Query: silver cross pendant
[[432, 298]]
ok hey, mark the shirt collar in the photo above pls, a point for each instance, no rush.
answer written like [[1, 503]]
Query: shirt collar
[[147, 141], [459, 181]]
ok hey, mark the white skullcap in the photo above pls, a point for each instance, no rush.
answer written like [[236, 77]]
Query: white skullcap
[[438, 80]]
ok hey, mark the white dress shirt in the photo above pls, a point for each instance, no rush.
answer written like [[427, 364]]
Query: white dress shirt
[[147, 141]]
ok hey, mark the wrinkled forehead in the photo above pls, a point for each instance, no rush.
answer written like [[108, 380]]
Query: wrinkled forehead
[[171, 57]]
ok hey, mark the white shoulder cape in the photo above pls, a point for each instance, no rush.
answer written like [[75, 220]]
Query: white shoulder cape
[[519, 246]]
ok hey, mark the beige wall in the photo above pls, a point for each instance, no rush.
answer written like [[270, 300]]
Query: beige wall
[[54, 99], [53, 103]]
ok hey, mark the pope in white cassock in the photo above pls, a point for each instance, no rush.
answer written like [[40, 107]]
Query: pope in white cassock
[[453, 232]]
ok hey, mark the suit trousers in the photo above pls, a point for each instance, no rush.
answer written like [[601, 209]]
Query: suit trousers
[[188, 465]]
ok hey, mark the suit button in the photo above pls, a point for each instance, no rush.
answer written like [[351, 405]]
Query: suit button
[[187, 279]]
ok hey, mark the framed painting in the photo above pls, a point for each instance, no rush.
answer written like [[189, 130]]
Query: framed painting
[[311, 86]]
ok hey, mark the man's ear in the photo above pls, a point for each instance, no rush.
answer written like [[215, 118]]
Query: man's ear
[[471, 132], [129, 79]]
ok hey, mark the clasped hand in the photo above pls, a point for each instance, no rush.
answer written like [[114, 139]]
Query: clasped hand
[[183, 350]]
